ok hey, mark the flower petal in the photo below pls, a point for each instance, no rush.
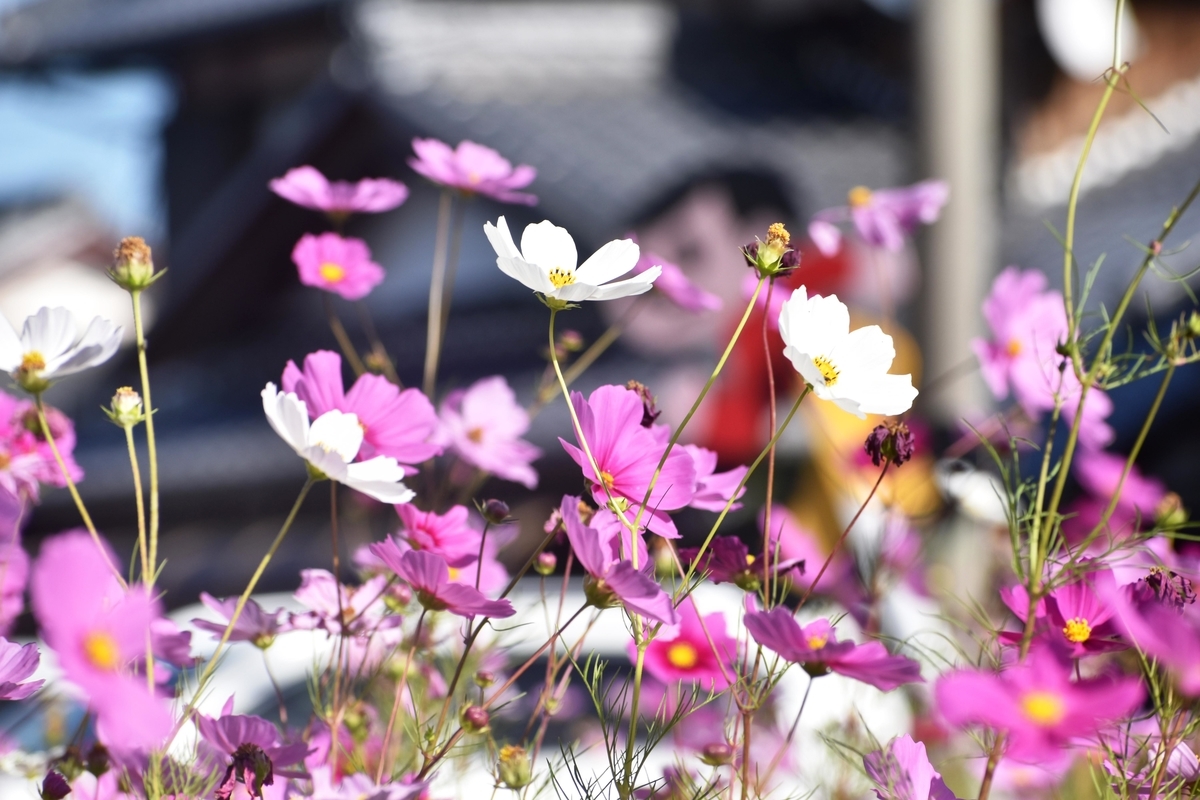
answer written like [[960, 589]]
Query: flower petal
[[611, 261], [549, 247]]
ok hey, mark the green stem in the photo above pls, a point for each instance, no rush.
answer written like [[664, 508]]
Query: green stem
[[343, 339], [456, 227], [387, 734], [766, 552], [634, 706], [62, 467], [437, 282], [151, 442], [587, 358], [141, 507]]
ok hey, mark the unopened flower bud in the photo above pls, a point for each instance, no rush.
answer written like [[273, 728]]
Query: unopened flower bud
[[716, 754], [484, 678], [495, 511], [1193, 325], [650, 411], [133, 267], [570, 341], [892, 442], [545, 564], [55, 787], [1170, 512], [515, 768], [474, 719], [126, 409], [1156, 247], [98, 760]]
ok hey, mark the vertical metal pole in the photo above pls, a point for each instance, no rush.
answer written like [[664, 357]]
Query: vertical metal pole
[[958, 55]]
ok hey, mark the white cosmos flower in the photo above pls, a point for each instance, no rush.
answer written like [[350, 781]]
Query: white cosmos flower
[[848, 367], [330, 444], [47, 348], [547, 258]]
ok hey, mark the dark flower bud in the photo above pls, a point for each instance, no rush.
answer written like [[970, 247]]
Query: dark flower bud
[[716, 754], [650, 411], [545, 564], [98, 760], [891, 441], [474, 719], [55, 787], [750, 252], [251, 767], [484, 678], [790, 260], [495, 511], [1164, 585], [133, 266]]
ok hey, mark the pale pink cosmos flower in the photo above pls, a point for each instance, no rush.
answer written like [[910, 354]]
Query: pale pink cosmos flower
[[816, 648], [429, 576], [360, 787], [14, 572], [17, 664], [99, 631], [612, 577], [626, 455], [21, 435], [1099, 473], [399, 423], [339, 265], [714, 489], [306, 186], [360, 616], [881, 217], [254, 625], [473, 168], [254, 748], [901, 771], [484, 425], [691, 655], [1036, 703], [675, 284], [1028, 322]]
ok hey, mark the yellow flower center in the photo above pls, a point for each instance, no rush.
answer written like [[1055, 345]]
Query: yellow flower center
[[454, 573], [1014, 348], [334, 273], [828, 371], [560, 277], [682, 655], [1077, 630], [33, 361], [858, 197], [817, 641], [101, 649], [778, 233], [473, 177], [607, 479], [749, 559], [5, 460], [475, 435], [1043, 708]]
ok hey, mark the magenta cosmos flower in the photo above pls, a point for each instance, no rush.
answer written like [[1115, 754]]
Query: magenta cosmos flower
[[1028, 323], [691, 655], [816, 648], [484, 425], [399, 423], [901, 771], [14, 572], [1161, 627], [254, 748], [474, 169], [429, 576], [254, 625], [339, 265], [729, 560], [1076, 619], [674, 284], [99, 632], [450, 535], [1036, 703], [714, 489], [882, 218], [627, 455], [17, 664], [306, 186], [612, 578]]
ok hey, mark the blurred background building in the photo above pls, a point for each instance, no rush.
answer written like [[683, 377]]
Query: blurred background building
[[695, 123]]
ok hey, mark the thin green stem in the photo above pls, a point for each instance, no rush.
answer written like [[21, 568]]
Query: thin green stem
[[343, 339], [62, 467], [771, 404], [151, 441], [635, 705], [437, 282], [141, 506], [456, 228], [400, 684]]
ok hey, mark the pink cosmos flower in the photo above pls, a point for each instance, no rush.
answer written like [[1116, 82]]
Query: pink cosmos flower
[[484, 425], [17, 664], [1074, 619], [254, 747], [400, 423], [692, 656], [341, 266], [901, 771], [816, 648], [1028, 323], [450, 535], [1136, 508], [253, 625], [99, 632], [675, 284], [627, 455], [306, 186], [613, 579], [14, 572], [729, 560], [361, 787], [714, 489], [429, 576], [361, 618], [882, 218], [794, 542], [1036, 703], [474, 169]]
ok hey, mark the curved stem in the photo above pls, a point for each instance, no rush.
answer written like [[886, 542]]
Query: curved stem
[[433, 329], [456, 228], [62, 467], [151, 442], [343, 339], [141, 507]]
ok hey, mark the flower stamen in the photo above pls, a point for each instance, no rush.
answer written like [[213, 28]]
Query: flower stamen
[[101, 650], [1043, 708], [828, 371], [334, 273], [561, 277], [858, 197], [33, 361], [682, 655], [1077, 630]]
